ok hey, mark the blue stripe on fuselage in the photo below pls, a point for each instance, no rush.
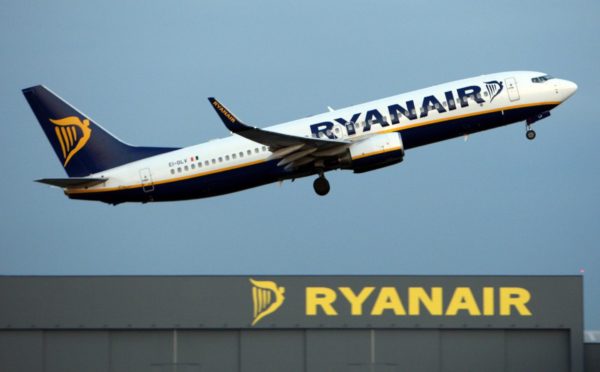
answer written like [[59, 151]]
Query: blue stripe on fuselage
[[428, 134], [195, 187]]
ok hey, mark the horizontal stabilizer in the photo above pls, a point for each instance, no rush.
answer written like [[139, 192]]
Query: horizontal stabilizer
[[72, 182]]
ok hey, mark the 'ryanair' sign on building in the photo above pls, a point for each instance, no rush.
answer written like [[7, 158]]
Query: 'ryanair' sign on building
[[419, 300], [289, 302], [414, 301]]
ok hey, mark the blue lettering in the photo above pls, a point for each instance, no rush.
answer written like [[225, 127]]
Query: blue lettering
[[324, 128], [349, 124], [431, 103], [396, 111], [472, 92], [374, 117], [450, 100]]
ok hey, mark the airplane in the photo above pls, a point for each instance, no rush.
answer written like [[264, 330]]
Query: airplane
[[360, 138]]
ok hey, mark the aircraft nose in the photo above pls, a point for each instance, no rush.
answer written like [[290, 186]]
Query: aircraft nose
[[567, 88]]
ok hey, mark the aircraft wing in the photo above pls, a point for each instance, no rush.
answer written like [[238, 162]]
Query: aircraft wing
[[293, 151]]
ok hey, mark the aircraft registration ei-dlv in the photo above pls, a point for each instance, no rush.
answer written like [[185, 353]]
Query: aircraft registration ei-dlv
[[361, 138]]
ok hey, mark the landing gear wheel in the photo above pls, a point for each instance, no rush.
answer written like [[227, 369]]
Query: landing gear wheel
[[321, 186], [530, 134]]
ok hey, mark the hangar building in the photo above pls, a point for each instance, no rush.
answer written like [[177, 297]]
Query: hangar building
[[292, 323]]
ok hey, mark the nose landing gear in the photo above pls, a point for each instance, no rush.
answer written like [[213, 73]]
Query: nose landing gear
[[321, 185], [530, 134]]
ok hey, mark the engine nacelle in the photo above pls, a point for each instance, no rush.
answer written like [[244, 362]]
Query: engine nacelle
[[375, 152]]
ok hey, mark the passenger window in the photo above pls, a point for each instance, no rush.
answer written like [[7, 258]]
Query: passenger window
[[186, 168], [241, 154], [249, 152], [233, 156], [193, 166], [256, 150], [213, 161], [226, 157], [172, 171], [220, 159], [178, 169], [206, 163], [200, 164], [264, 148]]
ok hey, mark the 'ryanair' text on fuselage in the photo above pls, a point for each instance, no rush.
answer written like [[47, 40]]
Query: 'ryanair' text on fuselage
[[395, 111]]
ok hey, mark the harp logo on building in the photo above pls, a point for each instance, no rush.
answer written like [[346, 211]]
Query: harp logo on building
[[72, 135], [267, 298]]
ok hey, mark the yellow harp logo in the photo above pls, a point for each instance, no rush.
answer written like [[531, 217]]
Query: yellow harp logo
[[72, 134], [267, 298]]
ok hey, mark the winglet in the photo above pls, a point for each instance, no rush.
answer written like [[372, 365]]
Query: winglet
[[231, 122]]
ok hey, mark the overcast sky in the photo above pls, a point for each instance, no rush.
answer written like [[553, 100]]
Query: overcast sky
[[496, 204]]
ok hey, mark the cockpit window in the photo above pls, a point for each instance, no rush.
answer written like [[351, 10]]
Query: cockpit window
[[541, 79]]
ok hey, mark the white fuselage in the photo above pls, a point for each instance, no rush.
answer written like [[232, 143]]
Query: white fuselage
[[434, 105]]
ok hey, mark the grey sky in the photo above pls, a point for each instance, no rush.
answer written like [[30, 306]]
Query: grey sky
[[497, 204]]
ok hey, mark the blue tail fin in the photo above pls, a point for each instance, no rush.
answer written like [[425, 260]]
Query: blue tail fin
[[82, 146]]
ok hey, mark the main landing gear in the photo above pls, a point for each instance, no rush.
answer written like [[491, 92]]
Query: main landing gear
[[530, 134], [321, 185]]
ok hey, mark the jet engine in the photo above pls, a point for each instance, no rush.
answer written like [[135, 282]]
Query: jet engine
[[374, 152]]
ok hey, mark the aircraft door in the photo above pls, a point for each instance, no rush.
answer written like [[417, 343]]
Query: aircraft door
[[146, 179], [513, 90]]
